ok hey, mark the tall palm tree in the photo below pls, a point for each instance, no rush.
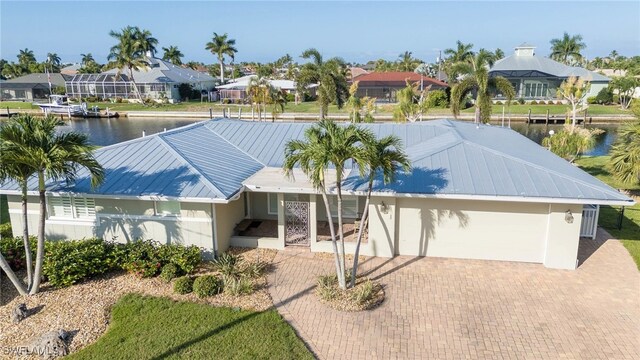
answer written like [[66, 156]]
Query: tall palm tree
[[331, 77], [406, 62], [26, 57], [384, 157], [461, 53], [221, 46], [34, 144], [173, 55], [567, 49], [498, 54], [86, 59], [476, 76], [326, 144], [278, 100], [145, 41], [13, 70], [128, 53], [53, 60]]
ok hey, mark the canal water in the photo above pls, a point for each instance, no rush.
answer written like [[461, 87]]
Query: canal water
[[110, 131]]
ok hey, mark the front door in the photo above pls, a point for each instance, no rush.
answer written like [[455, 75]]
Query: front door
[[297, 223]]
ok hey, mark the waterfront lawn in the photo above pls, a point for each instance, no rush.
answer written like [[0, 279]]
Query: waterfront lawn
[[159, 328], [17, 105], [553, 110], [629, 234]]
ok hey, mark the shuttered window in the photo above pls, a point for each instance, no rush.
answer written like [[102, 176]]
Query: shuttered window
[[72, 207]]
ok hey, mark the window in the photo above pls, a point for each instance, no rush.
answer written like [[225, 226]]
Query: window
[[349, 206], [72, 207], [167, 208], [157, 87], [273, 204]]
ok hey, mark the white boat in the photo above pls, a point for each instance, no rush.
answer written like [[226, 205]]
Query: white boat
[[59, 104]]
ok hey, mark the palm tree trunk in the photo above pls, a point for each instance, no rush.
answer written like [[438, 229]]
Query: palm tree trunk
[[12, 276], [222, 71], [363, 222], [339, 271], [37, 275], [25, 235], [342, 284], [135, 86]]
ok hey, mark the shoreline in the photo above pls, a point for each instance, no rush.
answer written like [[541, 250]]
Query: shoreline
[[515, 118]]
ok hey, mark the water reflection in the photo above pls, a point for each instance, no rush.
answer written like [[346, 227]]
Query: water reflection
[[110, 131]]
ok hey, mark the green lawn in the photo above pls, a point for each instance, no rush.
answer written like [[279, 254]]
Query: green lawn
[[313, 108], [159, 328], [629, 234]]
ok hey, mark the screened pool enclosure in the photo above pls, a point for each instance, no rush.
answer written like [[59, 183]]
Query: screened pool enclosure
[[110, 86]]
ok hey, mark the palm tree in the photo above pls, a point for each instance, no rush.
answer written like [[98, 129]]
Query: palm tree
[[331, 77], [567, 50], [461, 53], [128, 53], [326, 144], [476, 76], [222, 46], [407, 62], [625, 152], [145, 42], [33, 144], [172, 54], [87, 59], [26, 57], [498, 54], [259, 89], [278, 100], [379, 157], [54, 61], [13, 70]]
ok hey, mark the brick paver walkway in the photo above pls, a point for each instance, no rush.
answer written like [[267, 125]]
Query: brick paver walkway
[[466, 309]]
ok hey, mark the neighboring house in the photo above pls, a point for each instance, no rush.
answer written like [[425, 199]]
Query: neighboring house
[[160, 80], [71, 69], [355, 71], [237, 90], [475, 191], [384, 85], [31, 87], [538, 78]]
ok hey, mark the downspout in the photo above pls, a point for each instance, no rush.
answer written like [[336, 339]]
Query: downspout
[[214, 230]]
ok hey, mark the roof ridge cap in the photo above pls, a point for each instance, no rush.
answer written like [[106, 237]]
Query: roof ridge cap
[[232, 144], [529, 163], [191, 166]]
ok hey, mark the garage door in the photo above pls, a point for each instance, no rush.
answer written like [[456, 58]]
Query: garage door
[[471, 229]]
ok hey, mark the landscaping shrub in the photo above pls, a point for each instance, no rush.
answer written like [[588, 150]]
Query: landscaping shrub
[[118, 100], [559, 102], [67, 262], [437, 99], [207, 285], [615, 99], [169, 272], [5, 230], [228, 264], [146, 258], [254, 269], [533, 102], [521, 101], [183, 285], [592, 100], [363, 293], [498, 103], [13, 251], [327, 287], [605, 96], [291, 97], [186, 258], [237, 286]]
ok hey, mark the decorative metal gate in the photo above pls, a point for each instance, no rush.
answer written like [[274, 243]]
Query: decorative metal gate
[[297, 223]]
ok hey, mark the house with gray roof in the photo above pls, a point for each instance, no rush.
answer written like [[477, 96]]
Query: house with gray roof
[[538, 78], [30, 87], [160, 80], [474, 191]]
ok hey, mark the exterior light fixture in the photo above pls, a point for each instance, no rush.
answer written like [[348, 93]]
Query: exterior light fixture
[[568, 217], [384, 208]]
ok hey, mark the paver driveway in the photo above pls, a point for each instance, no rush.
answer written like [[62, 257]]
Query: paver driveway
[[466, 309]]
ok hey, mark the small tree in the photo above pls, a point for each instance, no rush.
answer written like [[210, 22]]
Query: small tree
[[625, 152], [571, 142], [259, 89], [411, 103], [360, 109], [625, 86], [574, 90], [278, 101]]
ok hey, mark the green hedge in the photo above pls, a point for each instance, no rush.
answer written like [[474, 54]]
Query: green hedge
[[68, 262]]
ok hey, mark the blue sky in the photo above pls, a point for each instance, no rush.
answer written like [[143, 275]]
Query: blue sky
[[356, 31]]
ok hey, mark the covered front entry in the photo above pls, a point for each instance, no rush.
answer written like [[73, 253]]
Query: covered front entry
[[297, 223]]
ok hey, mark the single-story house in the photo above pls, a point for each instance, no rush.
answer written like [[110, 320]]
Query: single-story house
[[237, 89], [71, 69], [31, 87], [159, 80], [383, 85], [538, 78], [475, 192]]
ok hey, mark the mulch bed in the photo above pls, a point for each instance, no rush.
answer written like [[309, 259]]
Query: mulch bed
[[343, 299], [84, 309]]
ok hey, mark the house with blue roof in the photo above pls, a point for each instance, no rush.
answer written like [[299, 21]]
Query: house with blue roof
[[537, 77], [475, 191]]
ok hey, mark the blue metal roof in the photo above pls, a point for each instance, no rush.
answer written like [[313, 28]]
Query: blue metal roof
[[210, 160]]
